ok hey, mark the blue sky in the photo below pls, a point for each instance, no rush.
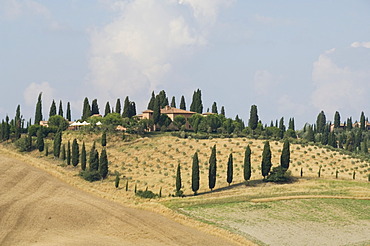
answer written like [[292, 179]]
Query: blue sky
[[290, 58]]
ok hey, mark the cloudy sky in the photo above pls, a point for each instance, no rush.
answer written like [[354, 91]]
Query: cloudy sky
[[290, 58]]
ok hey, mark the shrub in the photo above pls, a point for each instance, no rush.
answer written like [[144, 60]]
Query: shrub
[[146, 194], [90, 176], [279, 175]]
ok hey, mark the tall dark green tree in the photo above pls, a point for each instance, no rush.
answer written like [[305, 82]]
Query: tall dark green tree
[[173, 102], [104, 139], [156, 110], [285, 155], [178, 181], [362, 121], [40, 140], [60, 110], [222, 111], [69, 155], [151, 102], [103, 164], [86, 111], [332, 140], [321, 122], [118, 106], [282, 127], [182, 103], [197, 104], [7, 128], [309, 134], [53, 109], [349, 125], [212, 169], [195, 174], [38, 112], [63, 152], [291, 124], [57, 144], [68, 114], [94, 107], [230, 169], [266, 160], [126, 108], [83, 157], [94, 159], [253, 117], [163, 99], [17, 123], [214, 108], [247, 164], [107, 109], [336, 120], [75, 153]]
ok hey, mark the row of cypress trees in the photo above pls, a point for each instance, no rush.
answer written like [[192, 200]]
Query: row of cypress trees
[[247, 171]]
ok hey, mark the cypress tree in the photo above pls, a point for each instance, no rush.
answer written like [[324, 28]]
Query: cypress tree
[[173, 102], [126, 108], [57, 144], [282, 127], [266, 160], [178, 181], [104, 139], [86, 111], [7, 128], [75, 153], [60, 111], [103, 164], [223, 110], [107, 109], [309, 134], [212, 169], [68, 115], [116, 182], [156, 110], [29, 142], [38, 112], [40, 140], [93, 160], [247, 164], [285, 155], [196, 104], [362, 121], [94, 107], [53, 109], [321, 122], [182, 103], [127, 186], [118, 106], [336, 120], [349, 124], [253, 118], [46, 150], [230, 170], [214, 108], [17, 122], [163, 99], [332, 140], [132, 110], [69, 153], [151, 102], [83, 157], [63, 152], [291, 124], [195, 174]]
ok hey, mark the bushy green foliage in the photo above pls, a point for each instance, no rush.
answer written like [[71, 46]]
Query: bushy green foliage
[[58, 122], [24, 144], [146, 194], [90, 176], [279, 175]]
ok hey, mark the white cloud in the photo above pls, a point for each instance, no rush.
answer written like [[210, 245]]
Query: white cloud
[[13, 9], [264, 82], [339, 87], [361, 44], [32, 92], [133, 54]]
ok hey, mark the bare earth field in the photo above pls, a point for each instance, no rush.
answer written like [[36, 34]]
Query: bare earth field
[[38, 209]]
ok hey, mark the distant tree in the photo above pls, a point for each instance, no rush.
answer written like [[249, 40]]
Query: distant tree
[[47, 150], [17, 123], [178, 181], [68, 115], [349, 124], [83, 157], [38, 112], [325, 136], [309, 134], [104, 139], [332, 140], [94, 159], [107, 109], [57, 144], [222, 111], [253, 118], [63, 152], [60, 111], [103, 164], [214, 108], [126, 108], [196, 104], [282, 127], [212, 169], [173, 102], [69, 153], [53, 109], [247, 164], [116, 182], [285, 155], [156, 110], [7, 128], [94, 107], [118, 106], [151, 102], [362, 121], [86, 111], [182, 103], [40, 140], [321, 122], [336, 120], [350, 142], [291, 124], [266, 160], [59, 122], [75, 153], [163, 99], [195, 174], [230, 170]]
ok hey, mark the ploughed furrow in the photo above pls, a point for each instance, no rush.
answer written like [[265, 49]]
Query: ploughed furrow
[[38, 209]]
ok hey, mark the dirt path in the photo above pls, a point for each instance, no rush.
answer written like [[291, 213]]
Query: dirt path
[[38, 209]]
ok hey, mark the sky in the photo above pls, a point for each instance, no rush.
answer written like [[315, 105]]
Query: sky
[[290, 58]]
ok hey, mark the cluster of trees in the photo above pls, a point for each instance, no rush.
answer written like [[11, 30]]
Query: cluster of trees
[[277, 174]]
